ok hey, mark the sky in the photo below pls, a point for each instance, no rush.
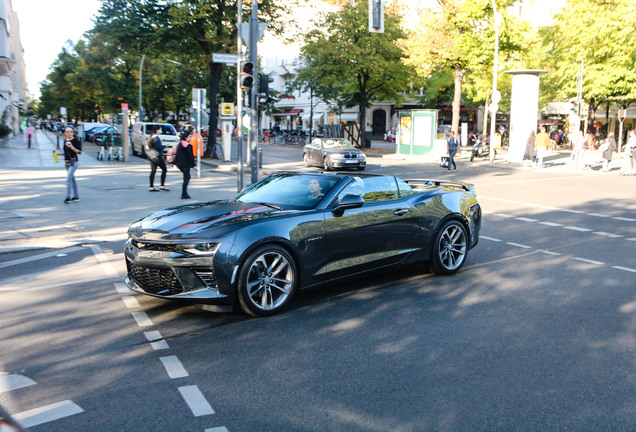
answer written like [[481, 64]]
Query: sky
[[45, 26]]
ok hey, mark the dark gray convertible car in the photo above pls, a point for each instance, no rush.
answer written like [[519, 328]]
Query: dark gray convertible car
[[333, 153], [294, 230]]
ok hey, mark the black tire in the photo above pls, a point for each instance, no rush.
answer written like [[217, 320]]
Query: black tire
[[450, 248], [267, 281], [361, 168], [306, 160], [472, 156], [134, 152]]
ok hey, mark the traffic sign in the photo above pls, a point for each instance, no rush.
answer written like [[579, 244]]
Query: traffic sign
[[227, 109], [224, 58]]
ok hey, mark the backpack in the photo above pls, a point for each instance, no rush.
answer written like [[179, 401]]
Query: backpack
[[171, 154]]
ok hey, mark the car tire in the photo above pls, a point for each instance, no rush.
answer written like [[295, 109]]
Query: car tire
[[134, 152], [450, 248], [472, 156], [306, 160], [326, 165], [267, 281], [361, 168]]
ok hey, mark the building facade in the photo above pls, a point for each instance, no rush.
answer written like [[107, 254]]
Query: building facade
[[13, 86]]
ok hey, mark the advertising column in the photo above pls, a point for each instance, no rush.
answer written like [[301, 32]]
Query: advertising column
[[524, 108]]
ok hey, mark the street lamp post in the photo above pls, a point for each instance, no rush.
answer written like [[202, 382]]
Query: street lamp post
[[141, 65], [494, 106]]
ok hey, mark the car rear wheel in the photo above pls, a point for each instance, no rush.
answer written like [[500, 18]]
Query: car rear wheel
[[306, 160], [267, 281], [450, 248]]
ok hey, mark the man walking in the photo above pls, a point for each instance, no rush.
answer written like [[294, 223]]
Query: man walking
[[451, 147]]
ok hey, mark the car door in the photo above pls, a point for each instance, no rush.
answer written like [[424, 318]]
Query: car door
[[380, 233], [312, 151]]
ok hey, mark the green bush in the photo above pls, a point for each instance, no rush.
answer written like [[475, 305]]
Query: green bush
[[4, 130]]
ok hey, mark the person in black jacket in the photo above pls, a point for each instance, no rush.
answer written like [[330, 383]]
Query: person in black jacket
[[184, 161], [154, 153], [72, 148]]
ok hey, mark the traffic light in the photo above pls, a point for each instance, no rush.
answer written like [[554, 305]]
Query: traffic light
[[247, 79], [263, 88], [574, 106]]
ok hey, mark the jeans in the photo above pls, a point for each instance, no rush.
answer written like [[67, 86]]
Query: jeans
[[154, 163], [71, 184], [186, 180], [451, 159]]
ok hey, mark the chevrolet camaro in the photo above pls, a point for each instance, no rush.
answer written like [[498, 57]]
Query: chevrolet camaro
[[296, 230]]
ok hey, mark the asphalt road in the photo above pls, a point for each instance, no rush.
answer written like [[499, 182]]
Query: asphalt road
[[537, 332]]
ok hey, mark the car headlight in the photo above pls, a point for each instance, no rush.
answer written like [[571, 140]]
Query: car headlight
[[199, 249]]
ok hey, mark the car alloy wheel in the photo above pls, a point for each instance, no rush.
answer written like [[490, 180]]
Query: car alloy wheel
[[450, 248], [306, 160], [267, 281], [326, 164]]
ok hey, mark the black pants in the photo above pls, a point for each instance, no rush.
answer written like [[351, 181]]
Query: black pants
[[154, 163], [186, 180]]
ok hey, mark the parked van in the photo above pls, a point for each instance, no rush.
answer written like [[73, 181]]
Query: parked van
[[141, 131]]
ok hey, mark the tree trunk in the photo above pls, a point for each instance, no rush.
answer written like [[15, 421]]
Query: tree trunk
[[215, 76], [457, 98]]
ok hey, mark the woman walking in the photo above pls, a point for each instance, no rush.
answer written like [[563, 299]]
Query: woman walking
[[72, 148], [154, 153], [184, 161]]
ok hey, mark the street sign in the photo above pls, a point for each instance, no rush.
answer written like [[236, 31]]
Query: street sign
[[227, 109], [244, 29], [124, 107], [224, 58], [494, 107], [496, 96]]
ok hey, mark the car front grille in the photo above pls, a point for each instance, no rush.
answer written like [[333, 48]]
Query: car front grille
[[154, 280]]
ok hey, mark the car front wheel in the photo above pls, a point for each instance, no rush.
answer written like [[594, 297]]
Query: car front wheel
[[306, 160], [326, 164], [450, 248], [267, 281]]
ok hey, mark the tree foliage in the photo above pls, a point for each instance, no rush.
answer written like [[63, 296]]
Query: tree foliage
[[602, 36], [458, 37], [348, 66]]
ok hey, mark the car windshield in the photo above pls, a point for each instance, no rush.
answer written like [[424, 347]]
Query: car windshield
[[290, 191], [335, 143]]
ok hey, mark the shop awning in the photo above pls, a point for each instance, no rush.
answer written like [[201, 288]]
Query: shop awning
[[290, 112], [316, 116]]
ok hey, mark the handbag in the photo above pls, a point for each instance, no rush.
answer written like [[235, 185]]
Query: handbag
[[444, 162]]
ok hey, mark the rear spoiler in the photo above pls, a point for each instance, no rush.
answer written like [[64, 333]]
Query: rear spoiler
[[425, 182]]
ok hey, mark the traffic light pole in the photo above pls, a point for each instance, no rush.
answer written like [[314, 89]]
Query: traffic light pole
[[239, 97], [253, 132]]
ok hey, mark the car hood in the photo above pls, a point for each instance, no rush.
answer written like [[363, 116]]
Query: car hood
[[176, 222], [341, 150]]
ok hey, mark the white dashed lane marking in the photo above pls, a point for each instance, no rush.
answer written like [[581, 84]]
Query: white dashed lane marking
[[10, 382], [547, 252], [196, 401], [47, 413], [142, 319], [130, 302], [174, 368]]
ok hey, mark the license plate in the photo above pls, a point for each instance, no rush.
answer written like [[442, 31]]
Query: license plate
[[351, 161]]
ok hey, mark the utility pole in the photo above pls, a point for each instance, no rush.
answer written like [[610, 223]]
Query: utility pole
[[239, 96], [253, 140], [495, 93]]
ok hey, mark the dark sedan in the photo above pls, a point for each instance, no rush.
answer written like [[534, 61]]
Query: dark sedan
[[106, 135], [333, 153], [297, 230]]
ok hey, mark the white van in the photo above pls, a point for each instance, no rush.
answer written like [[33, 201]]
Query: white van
[[141, 131]]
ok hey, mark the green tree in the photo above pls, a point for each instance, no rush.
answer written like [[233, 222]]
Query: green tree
[[458, 36], [602, 36], [348, 66]]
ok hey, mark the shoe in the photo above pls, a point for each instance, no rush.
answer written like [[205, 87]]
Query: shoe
[[67, 201], [455, 169], [75, 199], [163, 188], [153, 190]]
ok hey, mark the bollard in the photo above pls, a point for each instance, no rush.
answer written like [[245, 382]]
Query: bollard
[[260, 157], [29, 141], [57, 144]]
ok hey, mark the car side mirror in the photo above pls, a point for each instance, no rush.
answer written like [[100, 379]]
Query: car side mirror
[[348, 201]]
